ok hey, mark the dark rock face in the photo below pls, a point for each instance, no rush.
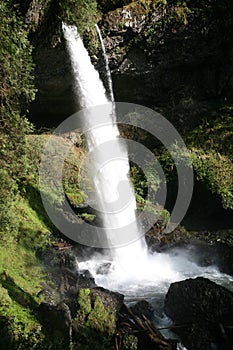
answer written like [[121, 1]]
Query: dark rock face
[[155, 60], [58, 313], [204, 311], [55, 97], [188, 58]]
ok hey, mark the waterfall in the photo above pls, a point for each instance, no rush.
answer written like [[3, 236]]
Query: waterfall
[[107, 70], [109, 178], [132, 270]]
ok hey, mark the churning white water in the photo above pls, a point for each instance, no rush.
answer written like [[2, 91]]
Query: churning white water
[[131, 270]]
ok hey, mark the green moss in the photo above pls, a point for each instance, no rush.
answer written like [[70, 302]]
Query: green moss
[[84, 301], [95, 322], [20, 280], [19, 327], [20, 317], [101, 319]]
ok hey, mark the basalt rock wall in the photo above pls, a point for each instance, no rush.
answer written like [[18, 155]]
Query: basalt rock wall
[[159, 53]]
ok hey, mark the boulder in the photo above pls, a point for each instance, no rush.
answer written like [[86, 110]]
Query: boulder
[[202, 312], [85, 280], [95, 320], [112, 300], [55, 318]]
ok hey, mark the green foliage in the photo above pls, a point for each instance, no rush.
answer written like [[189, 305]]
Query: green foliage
[[215, 132], [141, 182], [20, 278], [145, 179], [16, 90], [212, 154], [19, 328], [216, 171], [164, 17], [129, 342], [83, 13], [8, 211], [176, 156], [15, 61]]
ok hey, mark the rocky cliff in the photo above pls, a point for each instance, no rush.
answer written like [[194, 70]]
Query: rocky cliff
[[160, 52]]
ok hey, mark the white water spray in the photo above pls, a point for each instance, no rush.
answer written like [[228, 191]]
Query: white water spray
[[113, 192]]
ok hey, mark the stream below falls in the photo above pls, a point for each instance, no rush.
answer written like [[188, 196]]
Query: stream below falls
[[148, 277]]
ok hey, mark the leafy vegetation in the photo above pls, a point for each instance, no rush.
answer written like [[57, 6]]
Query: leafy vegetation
[[21, 231], [16, 91], [83, 13], [210, 150], [212, 154]]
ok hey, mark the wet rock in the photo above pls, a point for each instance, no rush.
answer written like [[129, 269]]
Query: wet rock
[[202, 312], [55, 97], [104, 269], [143, 308], [112, 300], [85, 280]]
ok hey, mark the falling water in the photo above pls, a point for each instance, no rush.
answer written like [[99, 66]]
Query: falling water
[[109, 169], [107, 70]]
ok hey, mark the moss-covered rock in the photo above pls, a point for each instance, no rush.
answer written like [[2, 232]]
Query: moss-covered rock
[[95, 322]]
